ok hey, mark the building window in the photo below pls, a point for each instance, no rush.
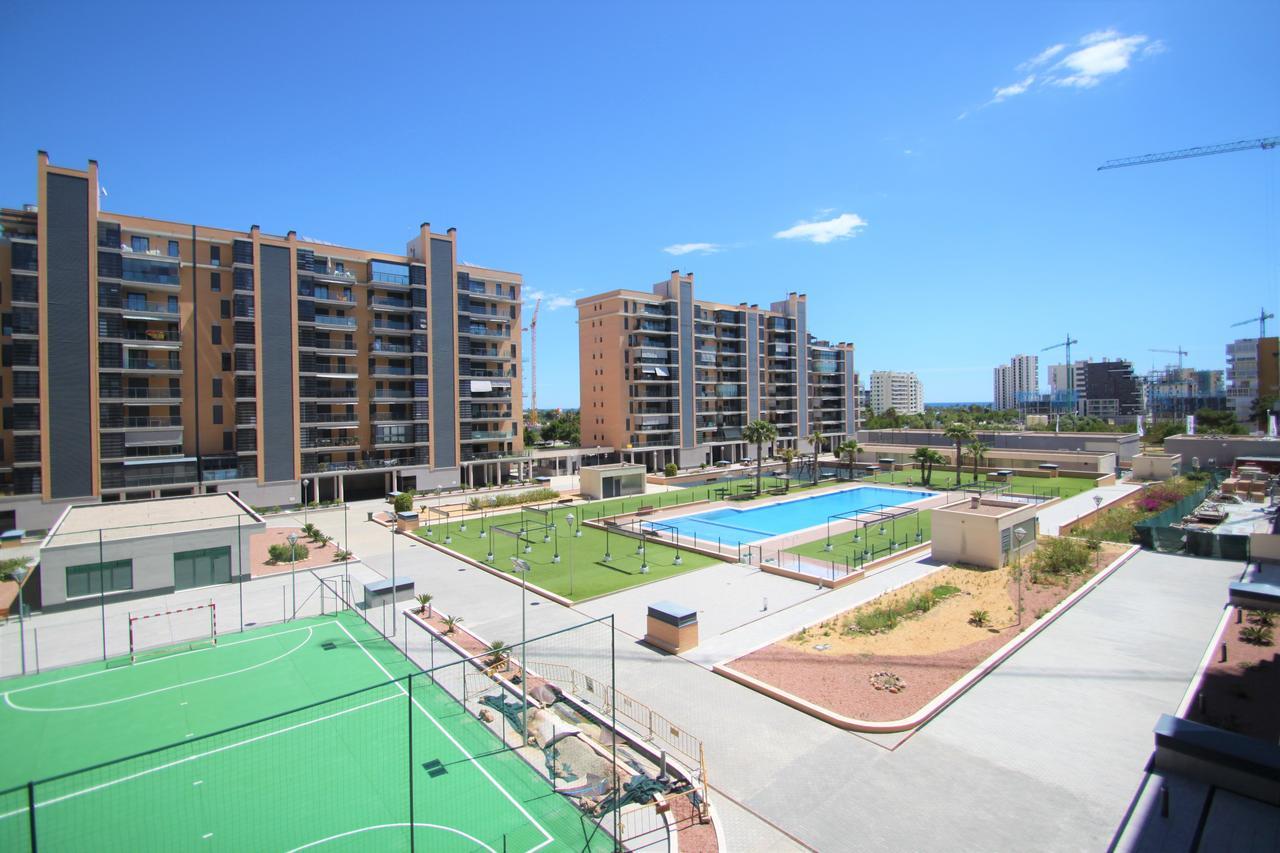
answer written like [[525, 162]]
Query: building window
[[201, 568], [228, 439], [215, 281], [140, 244], [216, 331], [215, 257], [90, 579], [173, 248], [226, 362], [217, 414], [217, 387], [226, 309]]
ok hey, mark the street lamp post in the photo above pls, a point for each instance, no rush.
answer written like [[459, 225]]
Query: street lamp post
[[1019, 534], [306, 499], [18, 574], [393, 574], [523, 568], [293, 569], [570, 519]]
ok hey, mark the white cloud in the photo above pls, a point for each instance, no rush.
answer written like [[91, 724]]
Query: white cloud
[[1042, 57], [824, 230], [550, 301], [1104, 53], [1095, 57], [691, 248], [1013, 89]]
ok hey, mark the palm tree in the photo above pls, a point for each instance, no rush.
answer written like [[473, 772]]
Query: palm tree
[[959, 433], [759, 433], [978, 450], [788, 455], [925, 456], [499, 654], [424, 603], [815, 441], [850, 449], [451, 622]]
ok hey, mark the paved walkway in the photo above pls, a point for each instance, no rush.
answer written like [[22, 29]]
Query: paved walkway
[[1069, 509]]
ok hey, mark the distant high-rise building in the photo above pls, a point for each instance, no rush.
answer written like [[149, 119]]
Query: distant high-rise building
[[1021, 376], [1111, 390], [900, 391], [1252, 372], [1175, 392]]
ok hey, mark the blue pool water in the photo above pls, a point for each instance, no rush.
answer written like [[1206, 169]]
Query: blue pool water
[[741, 526]]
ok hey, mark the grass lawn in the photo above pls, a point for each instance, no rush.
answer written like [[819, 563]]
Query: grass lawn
[[591, 576], [1063, 487], [844, 548]]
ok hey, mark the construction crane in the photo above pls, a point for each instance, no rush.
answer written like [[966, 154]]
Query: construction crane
[[532, 329], [1071, 372], [1266, 144], [1179, 352], [1261, 320]]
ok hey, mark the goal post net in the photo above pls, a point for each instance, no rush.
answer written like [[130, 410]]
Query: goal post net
[[180, 629]]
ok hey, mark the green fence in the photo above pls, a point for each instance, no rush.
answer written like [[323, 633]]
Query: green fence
[[1157, 533]]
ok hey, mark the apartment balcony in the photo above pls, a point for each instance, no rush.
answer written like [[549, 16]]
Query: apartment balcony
[[345, 395], [327, 274], [485, 311], [379, 345], [334, 321], [484, 332], [142, 422], [487, 413], [381, 278], [334, 297], [642, 441], [664, 425], [493, 435], [331, 419], [148, 365], [357, 465], [384, 394], [392, 325], [391, 370], [142, 309], [489, 354], [479, 291], [325, 442], [391, 303], [138, 477]]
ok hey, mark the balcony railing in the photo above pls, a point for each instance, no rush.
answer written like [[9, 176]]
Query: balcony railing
[[149, 307], [144, 423], [489, 436], [391, 302], [388, 346], [330, 320], [151, 393]]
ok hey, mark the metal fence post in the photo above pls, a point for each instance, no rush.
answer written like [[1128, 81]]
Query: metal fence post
[[409, 694]]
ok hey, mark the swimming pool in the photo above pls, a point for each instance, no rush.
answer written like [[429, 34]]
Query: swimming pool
[[740, 526]]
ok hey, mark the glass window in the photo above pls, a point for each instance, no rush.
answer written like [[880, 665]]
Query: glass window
[[116, 576], [226, 362], [215, 281], [217, 414], [226, 309], [173, 248], [217, 387], [140, 244], [201, 568], [215, 256], [216, 332]]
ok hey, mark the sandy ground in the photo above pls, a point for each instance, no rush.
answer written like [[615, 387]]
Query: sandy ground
[[318, 555], [1242, 695], [929, 652]]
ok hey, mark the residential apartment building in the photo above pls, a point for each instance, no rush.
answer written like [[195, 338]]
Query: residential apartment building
[[1021, 376], [1111, 391], [668, 378], [1252, 372], [891, 389], [147, 358]]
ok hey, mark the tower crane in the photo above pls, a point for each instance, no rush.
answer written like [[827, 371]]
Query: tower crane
[[1179, 352], [1071, 370], [532, 329], [1265, 143], [1261, 320]]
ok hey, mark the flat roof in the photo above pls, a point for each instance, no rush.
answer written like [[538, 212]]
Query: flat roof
[[614, 467], [985, 507], [133, 519]]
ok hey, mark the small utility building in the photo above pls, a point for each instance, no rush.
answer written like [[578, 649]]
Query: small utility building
[[137, 548], [612, 481], [983, 532]]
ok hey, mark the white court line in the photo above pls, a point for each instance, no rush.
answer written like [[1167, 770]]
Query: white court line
[[8, 701], [196, 757], [546, 835], [470, 838]]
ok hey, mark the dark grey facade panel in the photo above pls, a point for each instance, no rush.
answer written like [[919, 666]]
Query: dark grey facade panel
[[278, 368], [444, 340], [66, 216], [850, 393], [688, 438], [753, 366], [802, 366]]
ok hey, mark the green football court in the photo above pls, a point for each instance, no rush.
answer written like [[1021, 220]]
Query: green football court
[[316, 734]]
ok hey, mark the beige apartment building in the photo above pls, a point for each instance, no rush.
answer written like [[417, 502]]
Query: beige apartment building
[[147, 358], [668, 378]]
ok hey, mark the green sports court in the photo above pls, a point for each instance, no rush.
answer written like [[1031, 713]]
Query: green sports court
[[314, 734]]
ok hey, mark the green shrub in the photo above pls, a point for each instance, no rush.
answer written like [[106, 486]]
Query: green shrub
[[11, 565], [1262, 617], [404, 502], [281, 552], [945, 591], [533, 495], [888, 617], [1060, 556], [671, 469], [342, 554], [1258, 635]]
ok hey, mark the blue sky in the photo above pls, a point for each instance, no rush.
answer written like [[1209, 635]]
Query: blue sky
[[924, 172]]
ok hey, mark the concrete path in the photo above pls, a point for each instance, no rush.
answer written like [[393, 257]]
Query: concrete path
[[1069, 509]]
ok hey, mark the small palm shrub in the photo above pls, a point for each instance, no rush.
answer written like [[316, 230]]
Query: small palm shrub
[[424, 604], [499, 654], [1257, 635], [342, 554], [1262, 617], [282, 552], [451, 622], [979, 618]]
